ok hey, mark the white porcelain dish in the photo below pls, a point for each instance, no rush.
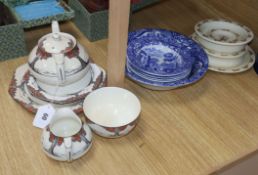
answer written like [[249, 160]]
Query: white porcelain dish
[[229, 63], [72, 77], [111, 111], [225, 62], [66, 138], [57, 55], [36, 91], [221, 60], [195, 37], [18, 91], [223, 35]]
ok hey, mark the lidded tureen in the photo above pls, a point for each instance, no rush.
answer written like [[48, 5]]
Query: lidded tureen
[[58, 72], [59, 61]]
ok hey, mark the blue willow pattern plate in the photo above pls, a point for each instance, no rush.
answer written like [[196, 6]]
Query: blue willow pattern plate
[[160, 52], [198, 69]]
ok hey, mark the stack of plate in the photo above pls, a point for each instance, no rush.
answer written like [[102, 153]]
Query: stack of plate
[[226, 44], [161, 59]]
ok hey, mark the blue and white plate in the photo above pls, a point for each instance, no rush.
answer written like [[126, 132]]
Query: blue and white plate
[[154, 78], [182, 74], [160, 52], [198, 55], [199, 69]]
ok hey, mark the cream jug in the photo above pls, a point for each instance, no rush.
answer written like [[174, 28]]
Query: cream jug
[[66, 137]]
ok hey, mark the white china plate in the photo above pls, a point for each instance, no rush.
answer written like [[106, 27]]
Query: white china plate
[[17, 90]]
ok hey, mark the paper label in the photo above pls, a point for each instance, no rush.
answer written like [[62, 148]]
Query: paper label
[[43, 116]]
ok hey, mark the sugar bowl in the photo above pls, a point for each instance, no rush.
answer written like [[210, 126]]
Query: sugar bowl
[[111, 112]]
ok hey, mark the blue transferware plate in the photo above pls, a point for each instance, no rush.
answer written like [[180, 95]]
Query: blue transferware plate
[[174, 76], [160, 52], [154, 78], [199, 69]]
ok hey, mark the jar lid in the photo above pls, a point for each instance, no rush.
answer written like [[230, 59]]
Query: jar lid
[[56, 43]]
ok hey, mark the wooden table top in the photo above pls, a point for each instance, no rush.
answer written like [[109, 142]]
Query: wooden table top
[[194, 130]]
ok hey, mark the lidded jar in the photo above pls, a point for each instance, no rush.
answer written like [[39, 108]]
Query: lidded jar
[[59, 61]]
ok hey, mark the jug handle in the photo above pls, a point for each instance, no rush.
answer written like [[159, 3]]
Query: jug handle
[[68, 148]]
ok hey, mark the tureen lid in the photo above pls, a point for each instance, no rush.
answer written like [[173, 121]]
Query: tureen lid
[[57, 42]]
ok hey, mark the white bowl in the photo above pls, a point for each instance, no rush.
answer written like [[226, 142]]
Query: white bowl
[[222, 60], [111, 111], [246, 63], [225, 62], [223, 35]]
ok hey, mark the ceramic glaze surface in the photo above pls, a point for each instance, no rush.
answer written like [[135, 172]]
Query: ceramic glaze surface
[[44, 63], [199, 69], [66, 138], [215, 53], [158, 78], [160, 52], [223, 36], [65, 127], [246, 62], [34, 89], [224, 32], [18, 89], [58, 58], [111, 132], [181, 77], [224, 62], [230, 62], [111, 109]]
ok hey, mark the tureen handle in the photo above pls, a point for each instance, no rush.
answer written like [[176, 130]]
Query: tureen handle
[[59, 59]]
